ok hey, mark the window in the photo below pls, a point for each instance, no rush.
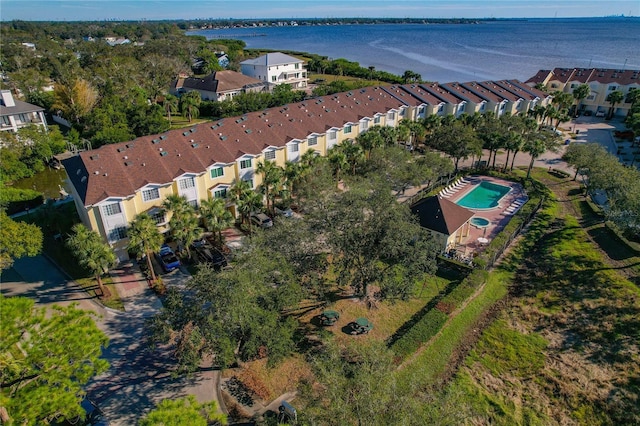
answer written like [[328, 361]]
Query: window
[[118, 233], [331, 134], [613, 87], [402, 112], [441, 108], [220, 192], [483, 106], [5, 120], [217, 172], [573, 85], [391, 116], [297, 66], [270, 155], [376, 120], [273, 78], [111, 209], [293, 147], [193, 203], [187, 183], [313, 141], [502, 106], [462, 106], [150, 194], [158, 217], [347, 129], [245, 164]]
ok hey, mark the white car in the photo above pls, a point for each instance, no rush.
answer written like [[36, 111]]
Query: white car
[[600, 114], [284, 212]]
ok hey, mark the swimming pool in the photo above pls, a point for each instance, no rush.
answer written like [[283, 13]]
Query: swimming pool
[[486, 195], [479, 222]]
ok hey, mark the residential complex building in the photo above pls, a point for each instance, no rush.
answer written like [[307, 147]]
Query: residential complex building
[[601, 83], [218, 86], [15, 114], [113, 184], [275, 69]]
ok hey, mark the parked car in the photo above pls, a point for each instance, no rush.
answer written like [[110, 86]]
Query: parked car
[[285, 211], [261, 220], [93, 416], [600, 113], [210, 254], [167, 258]]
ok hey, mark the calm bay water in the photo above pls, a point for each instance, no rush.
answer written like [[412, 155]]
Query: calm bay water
[[461, 52]]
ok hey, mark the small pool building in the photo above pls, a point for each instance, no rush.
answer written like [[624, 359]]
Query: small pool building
[[447, 221]]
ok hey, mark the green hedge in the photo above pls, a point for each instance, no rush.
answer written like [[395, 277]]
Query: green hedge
[[431, 323], [421, 332], [17, 200]]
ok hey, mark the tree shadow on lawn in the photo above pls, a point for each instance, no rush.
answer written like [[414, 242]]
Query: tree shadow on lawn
[[589, 304]]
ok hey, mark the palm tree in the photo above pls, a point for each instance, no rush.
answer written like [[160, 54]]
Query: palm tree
[[271, 176], [144, 239], [338, 161], [369, 140], [184, 221], [238, 192], [579, 94], [614, 98], [537, 143], [189, 103], [216, 216], [91, 252], [170, 104], [354, 154], [249, 203]]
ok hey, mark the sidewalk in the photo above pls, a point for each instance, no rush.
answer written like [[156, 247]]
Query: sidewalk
[[131, 284]]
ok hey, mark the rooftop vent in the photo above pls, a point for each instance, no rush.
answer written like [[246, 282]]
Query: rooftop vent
[[163, 153], [130, 145], [185, 133], [154, 141], [120, 149], [95, 157], [127, 163], [163, 137], [194, 145]]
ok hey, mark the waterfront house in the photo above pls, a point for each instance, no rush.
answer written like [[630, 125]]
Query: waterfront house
[[601, 83], [113, 184], [15, 114], [275, 69], [217, 86]]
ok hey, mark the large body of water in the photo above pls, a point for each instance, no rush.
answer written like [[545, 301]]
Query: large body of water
[[491, 50]]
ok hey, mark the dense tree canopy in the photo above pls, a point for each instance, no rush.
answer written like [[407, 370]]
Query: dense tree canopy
[[46, 358], [184, 412], [17, 239]]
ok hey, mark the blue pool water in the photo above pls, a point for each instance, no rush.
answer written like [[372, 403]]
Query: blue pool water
[[480, 222], [486, 195]]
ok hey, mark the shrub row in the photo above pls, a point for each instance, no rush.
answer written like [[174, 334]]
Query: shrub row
[[432, 322]]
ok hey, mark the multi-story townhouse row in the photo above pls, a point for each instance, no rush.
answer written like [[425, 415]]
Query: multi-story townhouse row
[[15, 114], [113, 184], [275, 69], [218, 86], [601, 83]]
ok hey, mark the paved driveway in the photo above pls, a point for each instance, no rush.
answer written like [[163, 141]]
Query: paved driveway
[[139, 378], [39, 279]]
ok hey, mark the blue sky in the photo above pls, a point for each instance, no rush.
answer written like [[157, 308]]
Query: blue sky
[[188, 9]]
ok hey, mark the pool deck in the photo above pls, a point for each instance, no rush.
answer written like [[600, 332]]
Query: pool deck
[[499, 216]]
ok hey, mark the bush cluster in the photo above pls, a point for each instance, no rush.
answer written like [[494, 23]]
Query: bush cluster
[[17, 200]]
